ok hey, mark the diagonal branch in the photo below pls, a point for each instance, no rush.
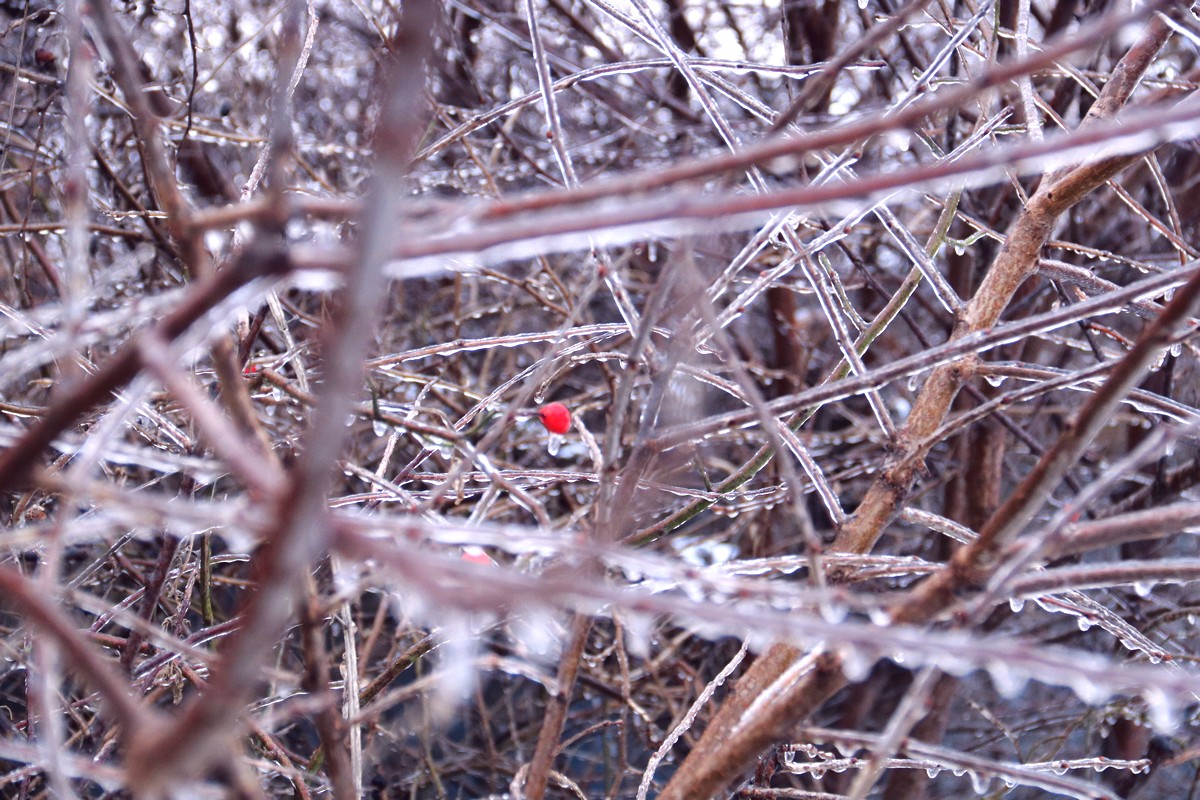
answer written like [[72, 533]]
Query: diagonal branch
[[1017, 260], [746, 724], [17, 462], [298, 533]]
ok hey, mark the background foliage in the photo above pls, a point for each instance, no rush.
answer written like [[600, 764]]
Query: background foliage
[[877, 327]]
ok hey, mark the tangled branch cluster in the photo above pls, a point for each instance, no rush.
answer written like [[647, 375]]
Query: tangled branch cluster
[[876, 324]]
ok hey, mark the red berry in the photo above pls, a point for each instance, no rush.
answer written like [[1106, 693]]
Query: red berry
[[477, 555], [555, 417]]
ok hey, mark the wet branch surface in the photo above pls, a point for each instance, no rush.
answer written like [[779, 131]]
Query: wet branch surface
[[876, 326]]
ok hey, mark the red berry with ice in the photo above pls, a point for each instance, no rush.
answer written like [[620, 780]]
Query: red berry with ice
[[555, 417]]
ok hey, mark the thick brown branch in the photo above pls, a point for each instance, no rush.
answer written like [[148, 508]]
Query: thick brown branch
[[730, 743]]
